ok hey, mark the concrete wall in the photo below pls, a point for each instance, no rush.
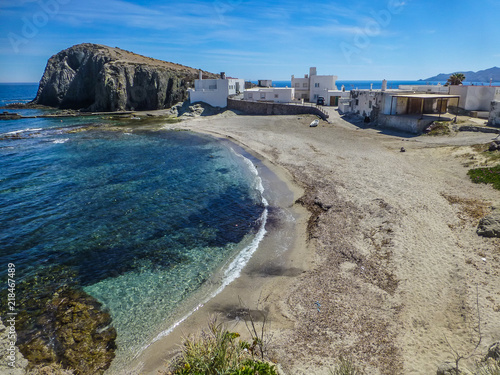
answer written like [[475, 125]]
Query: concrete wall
[[494, 119], [406, 124], [344, 106], [275, 94], [261, 108], [476, 98]]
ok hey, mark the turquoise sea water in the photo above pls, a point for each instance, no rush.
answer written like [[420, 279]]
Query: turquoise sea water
[[145, 218]]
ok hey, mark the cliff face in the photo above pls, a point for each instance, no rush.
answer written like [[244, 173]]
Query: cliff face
[[94, 77]]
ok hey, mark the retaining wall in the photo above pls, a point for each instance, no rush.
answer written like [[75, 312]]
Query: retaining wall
[[404, 123], [260, 108]]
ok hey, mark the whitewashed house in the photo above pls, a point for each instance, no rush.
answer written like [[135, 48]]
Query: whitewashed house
[[313, 86], [476, 98], [399, 109], [215, 91], [270, 94]]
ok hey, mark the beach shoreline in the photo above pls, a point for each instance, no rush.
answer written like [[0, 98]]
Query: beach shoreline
[[280, 255], [381, 246]]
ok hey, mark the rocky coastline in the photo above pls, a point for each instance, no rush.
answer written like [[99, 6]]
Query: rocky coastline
[[98, 78]]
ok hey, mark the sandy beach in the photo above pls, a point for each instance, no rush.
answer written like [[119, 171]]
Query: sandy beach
[[384, 264]]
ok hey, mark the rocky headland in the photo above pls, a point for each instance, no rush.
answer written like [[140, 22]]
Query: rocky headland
[[97, 78]]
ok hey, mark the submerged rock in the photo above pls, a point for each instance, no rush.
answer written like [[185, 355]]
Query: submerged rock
[[60, 324], [73, 331], [94, 77]]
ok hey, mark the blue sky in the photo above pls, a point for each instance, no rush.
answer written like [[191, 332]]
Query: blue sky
[[253, 39]]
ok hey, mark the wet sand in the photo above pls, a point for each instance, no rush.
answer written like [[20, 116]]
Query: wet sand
[[383, 240]]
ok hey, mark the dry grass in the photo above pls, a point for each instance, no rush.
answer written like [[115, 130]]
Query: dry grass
[[346, 366], [469, 208]]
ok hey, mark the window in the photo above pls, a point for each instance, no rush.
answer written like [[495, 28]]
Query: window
[[315, 96], [304, 85], [212, 87], [304, 96], [250, 95], [316, 84], [262, 95], [297, 84], [370, 104], [357, 101], [276, 96]]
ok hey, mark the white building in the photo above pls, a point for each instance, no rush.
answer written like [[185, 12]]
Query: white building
[[476, 98], [270, 94], [313, 86], [403, 110], [215, 91]]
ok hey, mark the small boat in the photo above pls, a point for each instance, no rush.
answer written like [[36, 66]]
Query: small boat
[[314, 123]]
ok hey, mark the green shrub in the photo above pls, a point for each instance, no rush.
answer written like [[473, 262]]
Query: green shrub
[[218, 351], [486, 176]]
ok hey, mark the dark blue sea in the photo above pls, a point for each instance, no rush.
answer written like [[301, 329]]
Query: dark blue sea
[[142, 218]]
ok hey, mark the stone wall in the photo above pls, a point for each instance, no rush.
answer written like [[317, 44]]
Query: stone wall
[[494, 119], [261, 108]]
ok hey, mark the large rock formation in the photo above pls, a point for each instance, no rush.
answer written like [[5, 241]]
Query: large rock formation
[[94, 77]]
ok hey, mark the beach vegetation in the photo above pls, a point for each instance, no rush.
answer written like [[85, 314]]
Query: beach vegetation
[[486, 176], [489, 367], [456, 79], [490, 156], [219, 351], [439, 128], [346, 366]]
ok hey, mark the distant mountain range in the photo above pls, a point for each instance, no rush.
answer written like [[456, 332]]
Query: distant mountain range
[[480, 76]]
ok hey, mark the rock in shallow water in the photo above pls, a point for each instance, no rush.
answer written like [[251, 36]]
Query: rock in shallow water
[[57, 323], [71, 330]]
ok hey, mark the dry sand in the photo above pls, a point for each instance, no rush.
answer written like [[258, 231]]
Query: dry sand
[[387, 247]]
